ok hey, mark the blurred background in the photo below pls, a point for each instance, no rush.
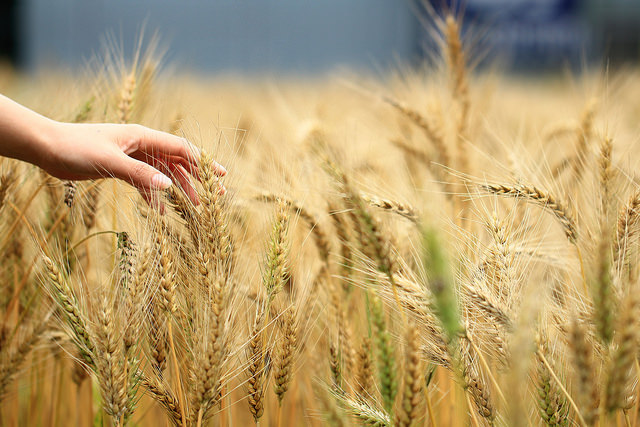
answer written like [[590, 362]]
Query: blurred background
[[304, 37]]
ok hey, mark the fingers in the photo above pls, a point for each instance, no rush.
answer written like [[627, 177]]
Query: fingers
[[147, 179], [179, 174], [151, 179], [140, 174], [157, 144], [151, 157], [169, 160], [177, 171], [173, 149]]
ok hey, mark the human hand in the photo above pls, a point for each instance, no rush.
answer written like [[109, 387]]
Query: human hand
[[143, 157]]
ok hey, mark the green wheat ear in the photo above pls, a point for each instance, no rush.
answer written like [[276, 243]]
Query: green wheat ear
[[440, 282]]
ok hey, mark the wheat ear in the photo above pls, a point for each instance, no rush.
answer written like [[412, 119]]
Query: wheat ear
[[432, 133], [125, 104], [552, 407], [283, 372], [319, 235], [110, 364], [627, 228], [12, 358], [364, 377], [585, 371], [163, 395], [408, 412], [403, 209], [363, 411], [259, 366], [67, 302], [623, 358], [542, 198]]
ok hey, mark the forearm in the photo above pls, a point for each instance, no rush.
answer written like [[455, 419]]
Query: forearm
[[24, 134], [143, 157]]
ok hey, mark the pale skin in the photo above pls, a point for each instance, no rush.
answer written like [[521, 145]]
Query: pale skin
[[142, 157]]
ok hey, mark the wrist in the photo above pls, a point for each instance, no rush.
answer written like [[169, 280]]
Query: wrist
[[47, 135], [26, 135]]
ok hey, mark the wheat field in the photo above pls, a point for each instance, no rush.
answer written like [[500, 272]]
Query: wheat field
[[442, 246]]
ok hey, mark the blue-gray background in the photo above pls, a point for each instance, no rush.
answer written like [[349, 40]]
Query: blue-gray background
[[313, 36], [258, 35]]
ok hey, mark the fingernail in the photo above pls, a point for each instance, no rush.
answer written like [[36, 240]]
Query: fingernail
[[161, 182], [221, 168]]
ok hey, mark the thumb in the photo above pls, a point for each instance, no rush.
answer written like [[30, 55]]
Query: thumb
[[141, 175]]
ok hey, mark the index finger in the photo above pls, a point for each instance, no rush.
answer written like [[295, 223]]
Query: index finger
[[159, 144]]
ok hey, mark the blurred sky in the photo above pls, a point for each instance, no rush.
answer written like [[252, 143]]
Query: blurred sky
[[311, 36]]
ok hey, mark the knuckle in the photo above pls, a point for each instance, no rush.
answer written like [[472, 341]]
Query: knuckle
[[139, 170], [136, 128], [131, 138], [135, 132]]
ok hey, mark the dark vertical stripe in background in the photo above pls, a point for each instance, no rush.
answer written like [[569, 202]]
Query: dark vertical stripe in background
[[8, 39]]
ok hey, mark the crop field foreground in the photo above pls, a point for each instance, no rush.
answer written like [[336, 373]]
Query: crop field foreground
[[443, 246]]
